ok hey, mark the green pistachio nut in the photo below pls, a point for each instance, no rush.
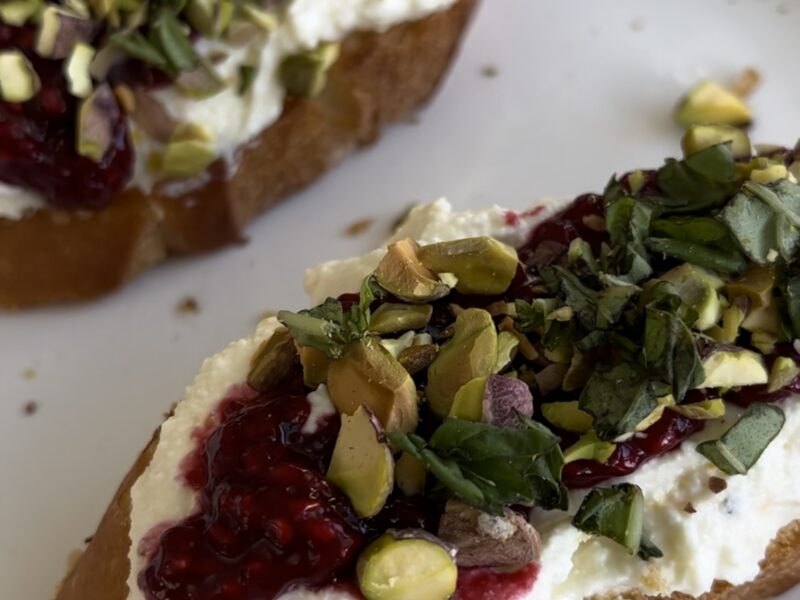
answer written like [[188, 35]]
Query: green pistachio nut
[[783, 372], [18, 80], [698, 288], [589, 447], [407, 566], [305, 74], [189, 152], [362, 465], [482, 265], [96, 117], [700, 137], [367, 374], [709, 102], [567, 416], [19, 12], [396, 318], [701, 411], [470, 353], [402, 274], [273, 362], [76, 69], [315, 366], [410, 474]]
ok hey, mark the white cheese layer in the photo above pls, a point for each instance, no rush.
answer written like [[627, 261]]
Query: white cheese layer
[[233, 120], [724, 539]]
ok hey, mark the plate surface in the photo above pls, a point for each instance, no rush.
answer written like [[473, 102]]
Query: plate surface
[[582, 89]]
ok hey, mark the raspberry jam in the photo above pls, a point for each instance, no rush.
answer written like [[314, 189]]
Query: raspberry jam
[[268, 521], [37, 139], [486, 584], [666, 434]]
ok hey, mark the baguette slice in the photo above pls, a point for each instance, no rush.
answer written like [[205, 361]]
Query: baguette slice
[[57, 255]]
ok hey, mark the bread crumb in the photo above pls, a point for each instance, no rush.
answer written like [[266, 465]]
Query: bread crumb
[[188, 306], [30, 408], [356, 228], [30, 373], [490, 71], [717, 484], [689, 508]]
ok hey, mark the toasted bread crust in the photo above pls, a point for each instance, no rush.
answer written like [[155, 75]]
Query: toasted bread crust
[[101, 572], [55, 255]]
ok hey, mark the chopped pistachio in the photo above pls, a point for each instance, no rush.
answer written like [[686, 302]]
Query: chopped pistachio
[[482, 265], [709, 102], [76, 69], [394, 318], [189, 151], [209, 17], [402, 274], [732, 319], [315, 366], [507, 346], [18, 80], [784, 371], [60, 30], [769, 174], [126, 98], [658, 412], [567, 416], [756, 283], [305, 74], [468, 401], [470, 353], [247, 75], [410, 474], [700, 137], [202, 82], [417, 358], [263, 19], [589, 447], [19, 12], [96, 116], [273, 362], [705, 410]]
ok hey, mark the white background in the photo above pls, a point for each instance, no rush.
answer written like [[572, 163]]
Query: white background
[[584, 88]]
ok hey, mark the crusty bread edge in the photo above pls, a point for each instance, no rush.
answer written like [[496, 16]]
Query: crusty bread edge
[[56, 255]]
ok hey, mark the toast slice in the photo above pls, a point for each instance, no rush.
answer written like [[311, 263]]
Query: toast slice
[[56, 255]]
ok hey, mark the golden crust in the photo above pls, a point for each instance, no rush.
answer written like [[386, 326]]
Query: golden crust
[[56, 256]]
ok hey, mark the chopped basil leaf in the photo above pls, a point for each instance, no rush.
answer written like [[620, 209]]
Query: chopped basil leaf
[[168, 33], [705, 231], [617, 513], [725, 261], [765, 220], [138, 46], [618, 397], [669, 351], [326, 327], [742, 445], [247, 74], [699, 182], [490, 467]]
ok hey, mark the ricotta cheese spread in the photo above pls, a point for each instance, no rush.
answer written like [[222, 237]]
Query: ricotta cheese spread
[[232, 119], [724, 537]]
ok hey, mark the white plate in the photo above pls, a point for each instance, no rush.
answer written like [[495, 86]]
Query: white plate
[[584, 88]]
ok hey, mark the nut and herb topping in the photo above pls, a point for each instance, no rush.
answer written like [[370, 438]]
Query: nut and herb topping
[[18, 80], [466, 372]]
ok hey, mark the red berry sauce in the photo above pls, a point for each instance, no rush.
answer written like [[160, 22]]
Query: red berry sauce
[[37, 139], [666, 434], [486, 584], [268, 520]]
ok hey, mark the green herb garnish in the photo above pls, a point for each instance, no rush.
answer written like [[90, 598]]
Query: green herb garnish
[[617, 512], [742, 445]]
